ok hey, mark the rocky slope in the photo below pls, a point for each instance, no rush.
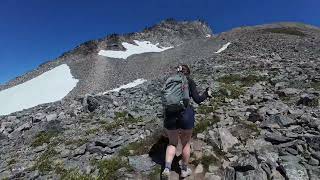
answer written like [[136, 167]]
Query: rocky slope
[[98, 73], [263, 122]]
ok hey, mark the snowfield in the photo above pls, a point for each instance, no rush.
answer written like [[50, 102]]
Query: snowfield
[[131, 49], [48, 87], [129, 85], [224, 47]]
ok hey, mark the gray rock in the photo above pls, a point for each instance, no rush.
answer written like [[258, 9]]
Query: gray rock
[[313, 142], [282, 120], [79, 151], [23, 127], [251, 174], [227, 139], [308, 100], [211, 176], [38, 117], [316, 154], [313, 162], [97, 148], [295, 170], [288, 92], [275, 138], [292, 151], [51, 117], [199, 169], [246, 163], [11, 118], [229, 173], [276, 175], [141, 163]]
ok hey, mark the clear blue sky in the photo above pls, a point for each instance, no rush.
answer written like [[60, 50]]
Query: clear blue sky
[[35, 31]]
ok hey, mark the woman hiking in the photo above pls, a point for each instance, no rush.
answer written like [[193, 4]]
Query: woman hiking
[[179, 119]]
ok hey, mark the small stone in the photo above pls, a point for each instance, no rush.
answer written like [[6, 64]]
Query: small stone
[[11, 118], [65, 153], [40, 148], [201, 136], [308, 100], [225, 164], [79, 151], [24, 127], [276, 175], [211, 176], [197, 154], [227, 139], [38, 117], [51, 117], [313, 162], [199, 169], [292, 151], [141, 163], [213, 168]]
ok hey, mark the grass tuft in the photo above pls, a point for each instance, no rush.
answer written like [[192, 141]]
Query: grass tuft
[[203, 124], [43, 137], [44, 162], [108, 168]]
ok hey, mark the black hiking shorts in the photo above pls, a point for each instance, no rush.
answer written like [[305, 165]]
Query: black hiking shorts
[[179, 120]]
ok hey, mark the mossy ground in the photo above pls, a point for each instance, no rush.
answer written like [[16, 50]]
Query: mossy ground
[[43, 137], [316, 85], [139, 147], [206, 161], [77, 142], [244, 81], [156, 172], [285, 30], [108, 168], [203, 124], [44, 162], [72, 174]]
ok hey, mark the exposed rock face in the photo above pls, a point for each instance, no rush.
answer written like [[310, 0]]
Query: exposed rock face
[[263, 122], [98, 73]]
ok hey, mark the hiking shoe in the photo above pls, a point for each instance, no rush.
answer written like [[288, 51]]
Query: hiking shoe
[[186, 173], [165, 174]]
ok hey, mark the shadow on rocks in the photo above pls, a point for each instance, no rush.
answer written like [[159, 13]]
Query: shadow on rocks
[[158, 154]]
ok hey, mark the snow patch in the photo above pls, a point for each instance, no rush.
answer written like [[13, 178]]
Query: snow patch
[[224, 47], [131, 49], [129, 85], [48, 87], [208, 35]]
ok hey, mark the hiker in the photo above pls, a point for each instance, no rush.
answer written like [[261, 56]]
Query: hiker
[[179, 116]]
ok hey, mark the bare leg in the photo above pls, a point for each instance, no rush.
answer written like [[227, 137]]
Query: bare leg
[[185, 141], [171, 148]]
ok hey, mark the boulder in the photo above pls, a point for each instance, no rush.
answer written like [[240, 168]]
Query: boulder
[[227, 139], [276, 138], [141, 163], [308, 100], [246, 163], [51, 117]]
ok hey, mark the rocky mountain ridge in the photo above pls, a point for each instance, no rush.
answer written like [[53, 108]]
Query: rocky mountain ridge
[[263, 122], [84, 59]]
